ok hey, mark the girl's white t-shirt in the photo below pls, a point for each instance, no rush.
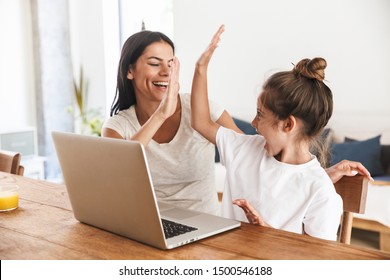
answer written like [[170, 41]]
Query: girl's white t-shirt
[[297, 198]]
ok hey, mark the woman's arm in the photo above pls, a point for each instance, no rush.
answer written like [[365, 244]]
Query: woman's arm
[[347, 168], [108, 132], [200, 111]]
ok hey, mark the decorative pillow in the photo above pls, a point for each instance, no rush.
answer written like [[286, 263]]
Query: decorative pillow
[[367, 152], [245, 127]]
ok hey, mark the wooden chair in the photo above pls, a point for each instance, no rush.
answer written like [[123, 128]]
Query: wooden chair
[[10, 162], [353, 191]]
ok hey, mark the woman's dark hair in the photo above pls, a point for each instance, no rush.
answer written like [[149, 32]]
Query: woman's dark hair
[[302, 93], [132, 49]]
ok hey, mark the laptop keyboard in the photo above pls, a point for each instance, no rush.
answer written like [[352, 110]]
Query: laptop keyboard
[[172, 229]]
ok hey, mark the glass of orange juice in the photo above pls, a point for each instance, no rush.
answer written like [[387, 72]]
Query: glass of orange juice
[[9, 197]]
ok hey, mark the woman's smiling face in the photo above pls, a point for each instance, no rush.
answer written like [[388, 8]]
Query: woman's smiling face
[[150, 74]]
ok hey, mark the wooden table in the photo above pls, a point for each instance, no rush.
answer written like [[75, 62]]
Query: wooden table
[[43, 227]]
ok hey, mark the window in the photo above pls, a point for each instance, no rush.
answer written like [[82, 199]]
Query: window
[[155, 15]]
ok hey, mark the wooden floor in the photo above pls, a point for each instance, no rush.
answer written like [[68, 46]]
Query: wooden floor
[[364, 238]]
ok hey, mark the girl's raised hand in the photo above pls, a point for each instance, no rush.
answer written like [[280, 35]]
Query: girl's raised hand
[[204, 59]]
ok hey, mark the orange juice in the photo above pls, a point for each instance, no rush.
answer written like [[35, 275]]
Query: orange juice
[[9, 199]]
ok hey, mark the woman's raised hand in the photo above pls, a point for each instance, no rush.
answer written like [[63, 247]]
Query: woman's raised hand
[[169, 103]]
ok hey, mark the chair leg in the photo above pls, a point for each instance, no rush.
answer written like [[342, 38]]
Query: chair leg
[[346, 230], [384, 241], [21, 170]]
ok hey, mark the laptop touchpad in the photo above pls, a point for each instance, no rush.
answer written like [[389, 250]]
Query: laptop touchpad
[[179, 214]]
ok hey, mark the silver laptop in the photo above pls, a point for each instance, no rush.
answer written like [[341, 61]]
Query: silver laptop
[[110, 187]]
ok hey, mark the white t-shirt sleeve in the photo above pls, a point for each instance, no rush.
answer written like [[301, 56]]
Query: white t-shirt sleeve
[[117, 123], [215, 110], [229, 144]]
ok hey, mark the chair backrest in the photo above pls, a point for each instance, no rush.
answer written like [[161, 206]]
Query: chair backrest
[[353, 191], [10, 162]]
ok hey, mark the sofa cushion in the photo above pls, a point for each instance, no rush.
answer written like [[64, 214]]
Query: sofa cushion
[[245, 127], [385, 156], [368, 152]]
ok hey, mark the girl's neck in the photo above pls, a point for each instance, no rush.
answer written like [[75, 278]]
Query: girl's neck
[[295, 154]]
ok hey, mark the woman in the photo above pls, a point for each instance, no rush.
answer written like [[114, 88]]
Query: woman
[[148, 108]]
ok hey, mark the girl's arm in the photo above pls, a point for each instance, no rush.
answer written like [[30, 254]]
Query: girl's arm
[[200, 111], [250, 212]]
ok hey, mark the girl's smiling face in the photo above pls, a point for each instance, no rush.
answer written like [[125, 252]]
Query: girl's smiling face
[[150, 74], [271, 128]]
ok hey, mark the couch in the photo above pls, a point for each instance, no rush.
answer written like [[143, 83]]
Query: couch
[[370, 152]]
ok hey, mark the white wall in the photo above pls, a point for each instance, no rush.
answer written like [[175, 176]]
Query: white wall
[[263, 36], [17, 93], [95, 44], [87, 47]]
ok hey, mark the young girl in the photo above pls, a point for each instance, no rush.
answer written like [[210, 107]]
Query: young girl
[[273, 176]]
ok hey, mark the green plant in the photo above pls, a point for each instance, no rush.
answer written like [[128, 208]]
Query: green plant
[[91, 119]]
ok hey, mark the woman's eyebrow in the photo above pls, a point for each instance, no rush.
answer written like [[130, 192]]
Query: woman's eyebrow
[[155, 57], [159, 59]]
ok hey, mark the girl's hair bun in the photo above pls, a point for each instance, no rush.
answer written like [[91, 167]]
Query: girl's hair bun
[[311, 68]]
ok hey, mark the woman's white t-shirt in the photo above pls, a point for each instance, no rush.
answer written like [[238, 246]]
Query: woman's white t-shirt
[[297, 198], [183, 171]]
